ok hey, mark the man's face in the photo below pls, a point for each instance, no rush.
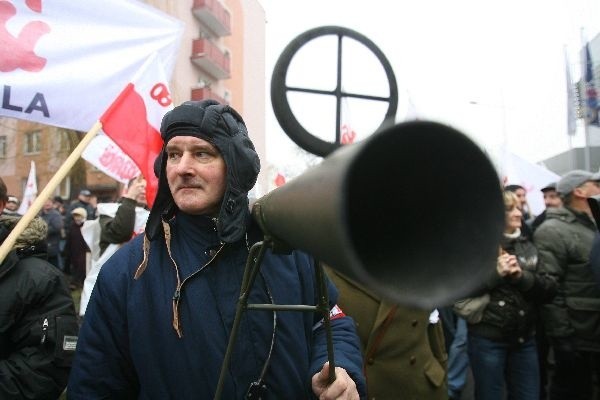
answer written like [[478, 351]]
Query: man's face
[[12, 206], [48, 205], [196, 174], [588, 189], [552, 199], [522, 196]]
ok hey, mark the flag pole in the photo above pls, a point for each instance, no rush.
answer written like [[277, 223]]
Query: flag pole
[[37, 204]]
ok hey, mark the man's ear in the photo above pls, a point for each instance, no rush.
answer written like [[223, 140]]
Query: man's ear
[[2, 205], [580, 192]]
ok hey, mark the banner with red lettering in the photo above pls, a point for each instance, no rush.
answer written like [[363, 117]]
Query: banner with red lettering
[[132, 122], [63, 62]]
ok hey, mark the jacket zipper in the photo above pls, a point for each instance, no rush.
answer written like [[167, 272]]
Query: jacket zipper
[[178, 289], [44, 331]]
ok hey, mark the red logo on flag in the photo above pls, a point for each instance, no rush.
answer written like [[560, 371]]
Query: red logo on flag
[[18, 51], [348, 134], [279, 180]]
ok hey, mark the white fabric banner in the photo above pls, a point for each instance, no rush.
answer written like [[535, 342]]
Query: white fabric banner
[[63, 62], [105, 155], [518, 171], [30, 190]]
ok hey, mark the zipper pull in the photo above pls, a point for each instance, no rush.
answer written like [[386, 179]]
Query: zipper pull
[[44, 330]]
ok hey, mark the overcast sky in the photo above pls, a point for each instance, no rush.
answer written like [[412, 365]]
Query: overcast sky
[[494, 70]]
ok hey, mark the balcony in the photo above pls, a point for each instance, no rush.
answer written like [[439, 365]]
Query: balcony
[[208, 57], [205, 93], [213, 16]]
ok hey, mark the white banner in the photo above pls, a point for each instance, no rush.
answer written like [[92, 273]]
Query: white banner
[[105, 155], [30, 192], [63, 62]]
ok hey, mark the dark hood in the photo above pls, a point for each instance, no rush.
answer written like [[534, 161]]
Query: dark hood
[[225, 129]]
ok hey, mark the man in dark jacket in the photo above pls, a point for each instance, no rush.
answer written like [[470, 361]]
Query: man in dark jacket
[[572, 320], [119, 226], [55, 229], [551, 200], [83, 201], [162, 310], [38, 326]]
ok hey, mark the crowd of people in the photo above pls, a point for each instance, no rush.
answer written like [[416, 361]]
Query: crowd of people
[[161, 288]]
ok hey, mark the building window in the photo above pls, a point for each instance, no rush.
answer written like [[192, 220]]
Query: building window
[[64, 141], [3, 142], [33, 142]]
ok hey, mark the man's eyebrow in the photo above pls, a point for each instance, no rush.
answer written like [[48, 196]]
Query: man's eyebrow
[[195, 147]]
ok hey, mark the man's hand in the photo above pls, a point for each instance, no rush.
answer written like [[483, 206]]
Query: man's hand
[[137, 188], [342, 388]]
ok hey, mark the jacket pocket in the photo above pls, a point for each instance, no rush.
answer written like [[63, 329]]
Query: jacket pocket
[[435, 373], [59, 336], [584, 315]]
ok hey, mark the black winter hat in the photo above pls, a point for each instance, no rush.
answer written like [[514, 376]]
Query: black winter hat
[[225, 129]]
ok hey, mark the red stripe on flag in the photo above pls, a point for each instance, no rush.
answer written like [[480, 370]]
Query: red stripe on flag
[[126, 123]]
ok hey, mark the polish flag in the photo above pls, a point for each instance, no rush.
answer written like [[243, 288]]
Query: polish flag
[[133, 120], [31, 191]]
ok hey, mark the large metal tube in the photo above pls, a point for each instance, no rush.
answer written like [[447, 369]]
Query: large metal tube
[[414, 212]]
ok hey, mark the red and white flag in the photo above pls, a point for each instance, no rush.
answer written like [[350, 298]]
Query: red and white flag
[[30, 192], [133, 120], [63, 62]]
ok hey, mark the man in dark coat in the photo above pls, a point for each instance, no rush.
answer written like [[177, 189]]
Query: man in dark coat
[[38, 326], [162, 310], [572, 320]]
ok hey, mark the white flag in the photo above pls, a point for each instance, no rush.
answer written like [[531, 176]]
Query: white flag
[[30, 191], [63, 62]]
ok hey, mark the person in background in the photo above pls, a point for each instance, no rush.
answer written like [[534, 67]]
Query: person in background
[[117, 223], [502, 348], [83, 201], [38, 326], [175, 289], [59, 205], [119, 226], [404, 355], [12, 206], [572, 320], [76, 248], [551, 199], [527, 216], [455, 337], [55, 229]]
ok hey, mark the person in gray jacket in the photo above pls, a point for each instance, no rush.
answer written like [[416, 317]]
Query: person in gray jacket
[[572, 320]]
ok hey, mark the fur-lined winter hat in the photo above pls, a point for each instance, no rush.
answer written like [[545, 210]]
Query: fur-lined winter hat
[[35, 232], [225, 129]]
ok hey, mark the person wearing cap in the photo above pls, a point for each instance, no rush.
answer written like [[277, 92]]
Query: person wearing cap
[[161, 313], [572, 320], [12, 206], [551, 199], [38, 325], [76, 248], [84, 201]]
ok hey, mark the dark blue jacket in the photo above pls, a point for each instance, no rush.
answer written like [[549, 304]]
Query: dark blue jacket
[[129, 349]]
